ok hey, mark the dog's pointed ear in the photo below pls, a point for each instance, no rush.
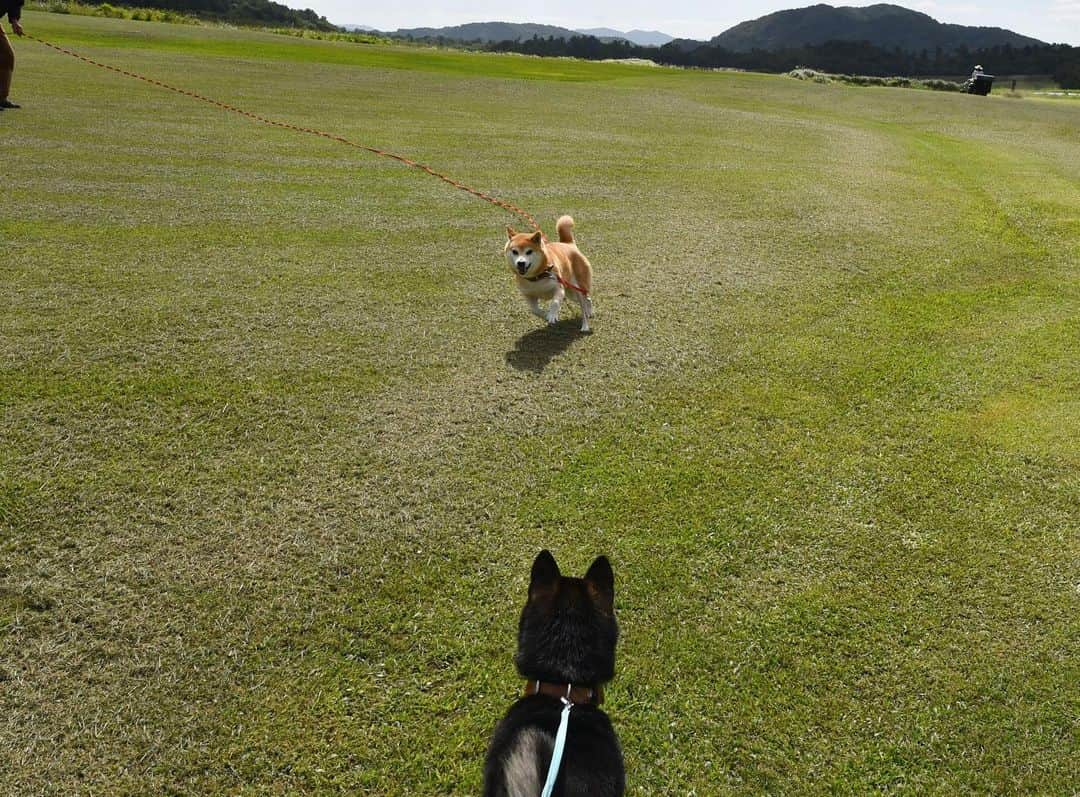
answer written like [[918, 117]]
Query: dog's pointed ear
[[510, 231], [601, 583], [537, 237], [545, 574]]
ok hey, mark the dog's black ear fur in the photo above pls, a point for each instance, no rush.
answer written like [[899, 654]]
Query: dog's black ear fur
[[537, 237], [510, 232], [601, 579], [545, 574]]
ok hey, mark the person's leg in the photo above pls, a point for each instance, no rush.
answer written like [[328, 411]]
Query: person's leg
[[7, 65]]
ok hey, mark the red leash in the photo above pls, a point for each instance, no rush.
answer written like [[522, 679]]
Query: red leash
[[570, 285], [523, 214]]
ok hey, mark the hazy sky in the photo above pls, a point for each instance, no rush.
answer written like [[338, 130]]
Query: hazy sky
[[1049, 20]]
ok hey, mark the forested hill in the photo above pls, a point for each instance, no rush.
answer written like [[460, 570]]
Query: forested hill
[[882, 25], [241, 12]]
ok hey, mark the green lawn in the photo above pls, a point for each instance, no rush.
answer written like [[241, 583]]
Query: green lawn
[[279, 440]]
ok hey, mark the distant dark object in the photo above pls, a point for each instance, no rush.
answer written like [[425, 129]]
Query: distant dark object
[[979, 83]]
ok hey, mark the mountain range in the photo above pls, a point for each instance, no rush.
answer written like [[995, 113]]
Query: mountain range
[[646, 38], [883, 25], [516, 31], [487, 32]]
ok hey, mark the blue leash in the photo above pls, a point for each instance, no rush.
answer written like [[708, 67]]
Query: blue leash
[[557, 753]]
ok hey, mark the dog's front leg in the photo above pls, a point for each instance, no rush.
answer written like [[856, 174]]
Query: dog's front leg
[[534, 307], [554, 304]]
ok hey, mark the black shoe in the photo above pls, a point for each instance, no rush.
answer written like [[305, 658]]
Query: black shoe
[[8, 104]]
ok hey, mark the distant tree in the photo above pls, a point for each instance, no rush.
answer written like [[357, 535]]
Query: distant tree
[[1067, 75]]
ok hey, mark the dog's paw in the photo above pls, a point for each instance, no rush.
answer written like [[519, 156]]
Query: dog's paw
[[552, 318]]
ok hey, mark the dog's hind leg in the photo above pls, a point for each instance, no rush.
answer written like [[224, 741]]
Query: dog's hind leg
[[586, 310]]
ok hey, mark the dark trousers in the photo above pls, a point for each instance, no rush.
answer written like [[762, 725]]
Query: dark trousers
[[7, 65]]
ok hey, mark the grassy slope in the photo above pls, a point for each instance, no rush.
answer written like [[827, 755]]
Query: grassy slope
[[280, 442]]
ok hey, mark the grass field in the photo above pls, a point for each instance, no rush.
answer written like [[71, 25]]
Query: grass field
[[279, 440]]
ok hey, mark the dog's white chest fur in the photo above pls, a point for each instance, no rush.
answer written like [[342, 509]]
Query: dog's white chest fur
[[538, 289]]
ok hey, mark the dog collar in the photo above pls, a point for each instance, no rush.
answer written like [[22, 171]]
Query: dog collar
[[576, 695], [549, 274]]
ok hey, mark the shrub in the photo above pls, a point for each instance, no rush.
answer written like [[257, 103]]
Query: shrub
[[114, 12], [940, 85], [803, 73], [353, 36]]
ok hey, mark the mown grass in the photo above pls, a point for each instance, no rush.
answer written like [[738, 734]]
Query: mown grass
[[280, 442], [175, 17], [266, 45]]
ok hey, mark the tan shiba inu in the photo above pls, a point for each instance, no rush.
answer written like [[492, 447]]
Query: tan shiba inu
[[547, 270]]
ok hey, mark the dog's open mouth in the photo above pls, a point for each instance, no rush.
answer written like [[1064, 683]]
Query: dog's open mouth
[[522, 268]]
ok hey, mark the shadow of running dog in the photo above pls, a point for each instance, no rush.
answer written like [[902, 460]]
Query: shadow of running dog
[[534, 350]]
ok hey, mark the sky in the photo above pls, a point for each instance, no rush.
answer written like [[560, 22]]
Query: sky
[[1049, 20]]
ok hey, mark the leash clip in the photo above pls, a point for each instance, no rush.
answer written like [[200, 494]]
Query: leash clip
[[566, 701]]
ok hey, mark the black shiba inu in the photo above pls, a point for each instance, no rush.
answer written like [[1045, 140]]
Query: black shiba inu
[[566, 649]]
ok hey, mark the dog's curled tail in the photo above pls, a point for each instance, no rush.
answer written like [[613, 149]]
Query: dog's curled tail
[[565, 227]]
